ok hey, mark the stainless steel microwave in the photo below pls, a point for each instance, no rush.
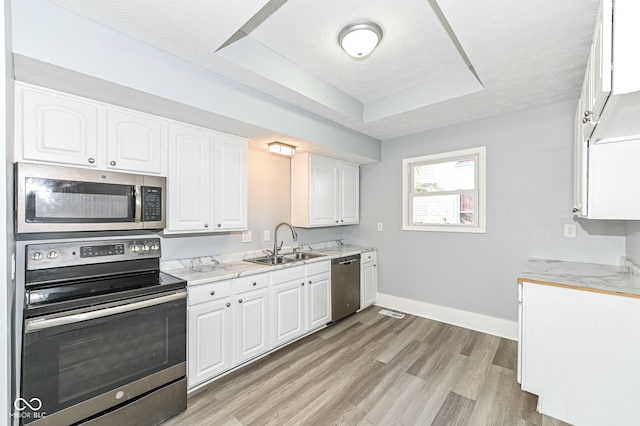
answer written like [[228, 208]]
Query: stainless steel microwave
[[66, 199]]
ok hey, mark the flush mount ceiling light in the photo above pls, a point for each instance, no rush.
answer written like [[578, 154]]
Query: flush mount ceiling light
[[360, 38], [282, 148]]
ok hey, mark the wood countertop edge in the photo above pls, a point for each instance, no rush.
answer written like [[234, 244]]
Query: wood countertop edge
[[574, 287]]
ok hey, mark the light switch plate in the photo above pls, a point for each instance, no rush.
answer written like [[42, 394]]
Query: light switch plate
[[380, 227], [246, 237], [267, 235]]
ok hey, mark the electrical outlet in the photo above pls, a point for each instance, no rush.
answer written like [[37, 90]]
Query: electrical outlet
[[380, 227], [570, 230], [246, 237], [267, 235]]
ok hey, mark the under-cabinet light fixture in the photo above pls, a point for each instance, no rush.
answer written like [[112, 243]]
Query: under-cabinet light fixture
[[360, 38], [282, 148]]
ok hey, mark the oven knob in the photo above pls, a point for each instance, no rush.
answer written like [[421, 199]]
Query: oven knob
[[37, 256], [155, 247], [145, 247], [135, 248], [53, 255]]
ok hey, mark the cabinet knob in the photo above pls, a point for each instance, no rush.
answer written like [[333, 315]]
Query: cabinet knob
[[337, 221], [584, 120], [575, 210], [219, 225], [254, 283], [206, 225], [228, 304], [239, 300], [113, 163], [213, 293], [341, 220], [302, 283], [587, 113], [309, 281], [92, 160], [375, 266]]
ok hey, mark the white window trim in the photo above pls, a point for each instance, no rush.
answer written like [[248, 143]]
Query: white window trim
[[481, 209]]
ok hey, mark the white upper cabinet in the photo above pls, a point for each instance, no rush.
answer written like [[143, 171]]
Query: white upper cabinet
[[207, 180], [55, 128], [324, 191], [190, 179], [135, 142], [59, 128], [230, 182]]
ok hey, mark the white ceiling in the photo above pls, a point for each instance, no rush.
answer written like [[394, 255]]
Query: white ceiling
[[440, 62]]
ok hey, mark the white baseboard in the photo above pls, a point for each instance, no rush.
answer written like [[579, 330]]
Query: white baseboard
[[478, 322]]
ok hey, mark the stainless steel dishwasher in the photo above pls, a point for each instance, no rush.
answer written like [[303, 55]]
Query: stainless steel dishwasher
[[345, 286]]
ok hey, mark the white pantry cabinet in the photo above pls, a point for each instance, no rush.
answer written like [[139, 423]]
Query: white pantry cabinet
[[252, 318], [324, 191], [579, 351], [210, 327], [318, 278], [207, 181], [287, 301], [56, 127], [368, 279]]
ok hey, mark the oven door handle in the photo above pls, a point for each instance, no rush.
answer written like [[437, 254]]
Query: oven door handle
[[37, 324]]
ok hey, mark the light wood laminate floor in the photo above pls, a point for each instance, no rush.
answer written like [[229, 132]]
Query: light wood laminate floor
[[371, 369]]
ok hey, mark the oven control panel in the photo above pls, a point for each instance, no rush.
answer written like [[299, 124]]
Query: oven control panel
[[60, 254]]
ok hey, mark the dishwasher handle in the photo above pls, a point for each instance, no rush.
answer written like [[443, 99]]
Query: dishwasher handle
[[346, 262]]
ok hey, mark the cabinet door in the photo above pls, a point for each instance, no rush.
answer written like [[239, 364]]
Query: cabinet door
[[319, 300], [288, 307], [368, 280], [252, 324], [190, 191], [601, 59], [209, 347], [55, 128], [134, 142], [230, 204], [349, 194], [323, 191], [580, 166]]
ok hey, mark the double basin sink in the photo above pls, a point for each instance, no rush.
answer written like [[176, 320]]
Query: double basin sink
[[286, 258]]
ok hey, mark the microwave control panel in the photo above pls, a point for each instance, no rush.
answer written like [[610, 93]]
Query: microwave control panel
[[151, 204]]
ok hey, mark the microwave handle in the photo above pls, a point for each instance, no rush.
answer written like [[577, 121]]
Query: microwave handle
[[137, 195]]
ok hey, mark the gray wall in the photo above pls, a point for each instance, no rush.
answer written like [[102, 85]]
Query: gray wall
[[633, 242], [529, 199], [269, 183]]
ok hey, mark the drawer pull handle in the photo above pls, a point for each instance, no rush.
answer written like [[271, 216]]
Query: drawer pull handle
[[213, 292], [254, 283]]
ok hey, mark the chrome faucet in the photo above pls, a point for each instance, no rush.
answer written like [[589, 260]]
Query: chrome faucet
[[275, 237]]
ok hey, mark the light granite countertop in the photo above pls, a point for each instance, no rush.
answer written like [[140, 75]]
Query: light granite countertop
[[206, 269], [611, 279]]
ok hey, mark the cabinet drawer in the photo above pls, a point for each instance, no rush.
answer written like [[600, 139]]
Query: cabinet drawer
[[287, 274], [368, 257], [208, 292], [318, 267], [252, 282]]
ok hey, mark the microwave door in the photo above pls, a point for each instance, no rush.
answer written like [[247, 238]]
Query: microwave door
[[61, 199]]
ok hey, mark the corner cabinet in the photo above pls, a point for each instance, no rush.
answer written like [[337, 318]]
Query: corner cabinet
[[56, 127], [207, 181], [578, 351], [324, 191], [368, 279]]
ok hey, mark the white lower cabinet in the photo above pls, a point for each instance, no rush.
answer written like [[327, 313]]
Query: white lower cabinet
[[210, 325], [579, 352], [252, 321], [318, 279], [287, 300], [368, 279]]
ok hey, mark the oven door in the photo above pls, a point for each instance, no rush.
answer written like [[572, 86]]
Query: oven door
[[80, 363]]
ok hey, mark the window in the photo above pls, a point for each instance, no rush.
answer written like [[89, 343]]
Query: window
[[445, 192]]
